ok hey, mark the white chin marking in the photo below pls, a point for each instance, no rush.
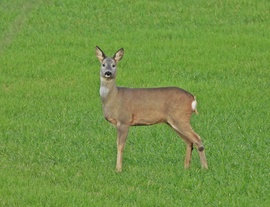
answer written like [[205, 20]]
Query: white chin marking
[[194, 105], [103, 91]]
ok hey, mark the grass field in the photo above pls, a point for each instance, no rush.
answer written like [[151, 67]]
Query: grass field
[[56, 149]]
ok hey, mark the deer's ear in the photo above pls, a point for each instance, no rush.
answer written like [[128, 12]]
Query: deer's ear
[[118, 55], [100, 54]]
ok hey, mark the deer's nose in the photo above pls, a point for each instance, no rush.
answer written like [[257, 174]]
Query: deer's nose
[[108, 74]]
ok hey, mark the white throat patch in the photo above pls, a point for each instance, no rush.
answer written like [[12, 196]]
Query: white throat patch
[[103, 91]]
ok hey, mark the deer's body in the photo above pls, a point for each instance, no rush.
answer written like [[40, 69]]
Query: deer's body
[[144, 108], [125, 107]]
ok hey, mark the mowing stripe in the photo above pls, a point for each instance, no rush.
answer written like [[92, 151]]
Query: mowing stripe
[[16, 26]]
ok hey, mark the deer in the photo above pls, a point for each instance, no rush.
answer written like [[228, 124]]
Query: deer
[[125, 107]]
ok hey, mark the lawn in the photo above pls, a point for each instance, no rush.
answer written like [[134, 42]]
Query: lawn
[[56, 149]]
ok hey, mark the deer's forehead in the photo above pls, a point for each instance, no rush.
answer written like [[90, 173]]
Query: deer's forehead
[[109, 61]]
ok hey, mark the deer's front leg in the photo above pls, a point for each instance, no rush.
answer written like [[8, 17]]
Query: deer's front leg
[[122, 132]]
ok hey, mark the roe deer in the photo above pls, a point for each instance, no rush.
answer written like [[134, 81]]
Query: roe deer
[[125, 107]]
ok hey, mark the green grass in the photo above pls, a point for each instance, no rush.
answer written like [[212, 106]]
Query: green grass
[[56, 149]]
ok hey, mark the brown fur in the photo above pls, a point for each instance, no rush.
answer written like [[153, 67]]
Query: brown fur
[[125, 107]]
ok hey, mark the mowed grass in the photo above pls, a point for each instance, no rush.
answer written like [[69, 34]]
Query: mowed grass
[[56, 149]]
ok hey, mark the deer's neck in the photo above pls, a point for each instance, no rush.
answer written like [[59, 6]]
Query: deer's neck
[[108, 89]]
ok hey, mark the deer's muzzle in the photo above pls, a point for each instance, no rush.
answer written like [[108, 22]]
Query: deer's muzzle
[[108, 74]]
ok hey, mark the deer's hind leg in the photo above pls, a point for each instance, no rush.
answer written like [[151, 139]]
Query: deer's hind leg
[[189, 149], [185, 131]]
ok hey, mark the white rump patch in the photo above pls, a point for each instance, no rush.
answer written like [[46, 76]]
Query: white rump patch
[[103, 91], [194, 105]]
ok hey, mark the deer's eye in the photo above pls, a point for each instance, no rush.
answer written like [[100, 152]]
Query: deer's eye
[[113, 66], [103, 65]]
